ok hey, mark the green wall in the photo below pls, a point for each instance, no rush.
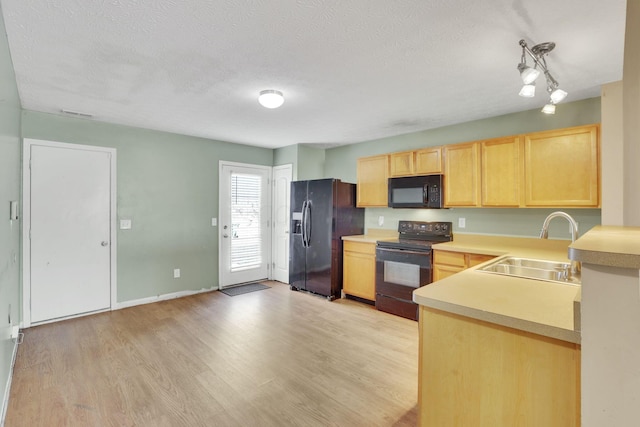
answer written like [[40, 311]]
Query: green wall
[[10, 153], [168, 187], [311, 162], [340, 162], [308, 162], [287, 155]]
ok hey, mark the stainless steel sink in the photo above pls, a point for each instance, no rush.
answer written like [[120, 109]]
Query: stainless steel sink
[[529, 268]]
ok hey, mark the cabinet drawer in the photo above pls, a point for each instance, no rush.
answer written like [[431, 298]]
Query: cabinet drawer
[[475, 259], [449, 258], [360, 247]]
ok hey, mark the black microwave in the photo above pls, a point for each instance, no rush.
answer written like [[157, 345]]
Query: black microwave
[[416, 192]]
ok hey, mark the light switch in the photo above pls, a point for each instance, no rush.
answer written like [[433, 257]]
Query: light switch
[[125, 224], [380, 221], [462, 222], [214, 222]]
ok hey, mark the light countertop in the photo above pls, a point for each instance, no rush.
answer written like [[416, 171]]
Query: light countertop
[[373, 235], [543, 308], [612, 246], [501, 245]]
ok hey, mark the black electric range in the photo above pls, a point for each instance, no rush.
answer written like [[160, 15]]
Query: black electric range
[[405, 264]]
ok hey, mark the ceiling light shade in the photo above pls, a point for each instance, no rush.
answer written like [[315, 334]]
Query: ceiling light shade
[[549, 108], [527, 74], [271, 98], [528, 91], [558, 95]]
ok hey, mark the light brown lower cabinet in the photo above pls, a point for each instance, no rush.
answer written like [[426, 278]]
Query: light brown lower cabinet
[[447, 263], [475, 373], [359, 269]]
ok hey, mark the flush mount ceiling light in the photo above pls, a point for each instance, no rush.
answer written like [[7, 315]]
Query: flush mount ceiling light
[[529, 74], [271, 98]]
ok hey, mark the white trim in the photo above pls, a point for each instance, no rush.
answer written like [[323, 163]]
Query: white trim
[[74, 316], [164, 297], [269, 169], [7, 389], [287, 167], [26, 220]]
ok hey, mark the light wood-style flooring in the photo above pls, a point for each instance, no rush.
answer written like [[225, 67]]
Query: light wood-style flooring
[[267, 358]]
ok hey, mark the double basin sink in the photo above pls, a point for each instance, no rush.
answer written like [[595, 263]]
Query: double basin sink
[[528, 268]]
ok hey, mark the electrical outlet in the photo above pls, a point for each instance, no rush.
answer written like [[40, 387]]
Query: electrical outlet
[[214, 222], [380, 221], [462, 222], [176, 273]]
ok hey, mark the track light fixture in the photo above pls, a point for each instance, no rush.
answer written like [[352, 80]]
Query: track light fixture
[[530, 74]]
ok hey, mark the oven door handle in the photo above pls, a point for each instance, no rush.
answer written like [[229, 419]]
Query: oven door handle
[[405, 251]]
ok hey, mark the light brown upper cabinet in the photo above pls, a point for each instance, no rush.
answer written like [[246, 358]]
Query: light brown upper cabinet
[[562, 167], [429, 161], [373, 173], [462, 174], [502, 166], [426, 161], [402, 163]]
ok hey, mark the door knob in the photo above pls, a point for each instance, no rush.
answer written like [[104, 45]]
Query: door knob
[[104, 243]]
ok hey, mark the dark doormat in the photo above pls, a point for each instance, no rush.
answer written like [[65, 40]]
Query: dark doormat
[[244, 289]]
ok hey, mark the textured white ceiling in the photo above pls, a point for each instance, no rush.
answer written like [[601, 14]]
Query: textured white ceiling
[[351, 70]]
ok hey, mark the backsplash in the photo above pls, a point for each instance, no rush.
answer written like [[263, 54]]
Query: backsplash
[[524, 222]]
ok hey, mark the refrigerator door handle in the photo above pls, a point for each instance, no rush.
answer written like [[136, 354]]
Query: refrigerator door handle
[[304, 220], [307, 225]]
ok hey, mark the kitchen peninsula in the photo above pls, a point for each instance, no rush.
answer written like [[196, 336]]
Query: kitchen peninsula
[[610, 379], [499, 350]]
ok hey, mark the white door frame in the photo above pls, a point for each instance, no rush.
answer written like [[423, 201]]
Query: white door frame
[[26, 220], [268, 258], [285, 168]]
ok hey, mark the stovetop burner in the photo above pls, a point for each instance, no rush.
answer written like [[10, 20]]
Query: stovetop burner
[[418, 235]]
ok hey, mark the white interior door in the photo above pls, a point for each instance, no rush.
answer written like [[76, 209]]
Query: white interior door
[[282, 176], [245, 217], [68, 225]]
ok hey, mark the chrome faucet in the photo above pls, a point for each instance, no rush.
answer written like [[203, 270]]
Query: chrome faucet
[[544, 233]]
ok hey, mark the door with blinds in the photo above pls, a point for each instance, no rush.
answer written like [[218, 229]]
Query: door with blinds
[[244, 229]]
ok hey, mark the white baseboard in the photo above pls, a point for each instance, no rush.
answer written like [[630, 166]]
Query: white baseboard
[[7, 390], [164, 297]]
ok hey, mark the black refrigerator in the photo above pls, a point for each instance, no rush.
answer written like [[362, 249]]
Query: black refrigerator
[[322, 211]]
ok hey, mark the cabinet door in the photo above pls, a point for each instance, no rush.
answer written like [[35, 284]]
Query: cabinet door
[[402, 164], [561, 167], [446, 263], [474, 373], [428, 161], [502, 172], [462, 174], [373, 173], [359, 270], [440, 271]]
